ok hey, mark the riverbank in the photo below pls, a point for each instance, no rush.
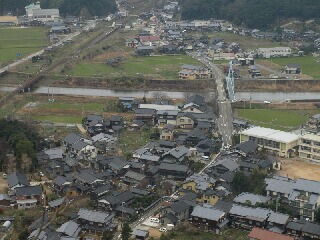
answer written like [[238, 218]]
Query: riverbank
[[277, 85]]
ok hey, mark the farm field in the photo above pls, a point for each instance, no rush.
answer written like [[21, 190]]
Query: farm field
[[276, 119], [162, 67], [308, 64], [22, 41], [244, 41], [68, 109]]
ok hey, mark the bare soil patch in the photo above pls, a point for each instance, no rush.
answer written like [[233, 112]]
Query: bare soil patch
[[155, 233], [3, 184], [108, 55], [297, 168]]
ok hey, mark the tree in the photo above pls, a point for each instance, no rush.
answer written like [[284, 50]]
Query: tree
[[241, 183], [317, 215], [257, 178], [23, 235], [107, 236], [126, 231]]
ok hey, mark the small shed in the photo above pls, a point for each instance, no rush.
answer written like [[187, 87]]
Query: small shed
[[141, 234]]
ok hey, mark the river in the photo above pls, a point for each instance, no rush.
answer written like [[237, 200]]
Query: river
[[255, 96]]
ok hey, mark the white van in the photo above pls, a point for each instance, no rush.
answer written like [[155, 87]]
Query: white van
[[206, 158]]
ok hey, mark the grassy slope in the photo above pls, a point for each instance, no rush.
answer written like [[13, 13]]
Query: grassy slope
[[308, 65], [228, 234], [277, 119], [21, 40]]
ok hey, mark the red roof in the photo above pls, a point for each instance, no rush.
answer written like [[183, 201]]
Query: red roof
[[149, 38], [262, 234]]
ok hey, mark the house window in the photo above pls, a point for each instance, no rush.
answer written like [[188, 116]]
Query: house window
[[181, 120]]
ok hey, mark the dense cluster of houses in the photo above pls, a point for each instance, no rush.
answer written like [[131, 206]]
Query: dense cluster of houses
[[120, 189]]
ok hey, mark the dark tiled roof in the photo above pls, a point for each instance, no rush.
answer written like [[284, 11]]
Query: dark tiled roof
[[197, 99], [102, 189], [17, 178], [60, 180], [247, 147], [297, 226], [223, 205], [28, 191], [179, 206], [312, 228], [173, 167], [72, 138], [171, 217], [56, 203], [138, 191]]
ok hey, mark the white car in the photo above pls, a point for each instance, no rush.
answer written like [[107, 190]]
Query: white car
[[266, 102], [154, 220], [41, 174], [163, 229]]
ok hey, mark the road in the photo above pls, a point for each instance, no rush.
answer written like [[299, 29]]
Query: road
[[225, 118]]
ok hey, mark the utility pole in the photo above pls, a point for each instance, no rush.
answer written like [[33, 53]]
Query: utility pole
[[277, 204]]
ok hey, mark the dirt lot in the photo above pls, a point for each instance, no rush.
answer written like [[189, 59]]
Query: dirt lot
[[295, 168], [3, 184], [154, 232]]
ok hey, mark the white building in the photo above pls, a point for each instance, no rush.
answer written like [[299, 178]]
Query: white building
[[274, 52], [30, 8], [46, 15], [279, 142], [309, 147]]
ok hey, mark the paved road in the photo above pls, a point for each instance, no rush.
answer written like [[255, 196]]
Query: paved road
[[225, 118]]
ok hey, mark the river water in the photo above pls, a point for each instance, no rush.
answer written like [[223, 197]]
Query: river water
[[255, 96]]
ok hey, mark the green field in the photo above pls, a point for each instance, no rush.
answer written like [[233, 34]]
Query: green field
[[130, 141], [95, 107], [59, 118], [165, 67], [21, 41], [65, 112], [276, 119], [308, 64]]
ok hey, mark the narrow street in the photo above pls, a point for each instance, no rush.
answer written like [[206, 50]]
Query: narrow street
[[225, 116]]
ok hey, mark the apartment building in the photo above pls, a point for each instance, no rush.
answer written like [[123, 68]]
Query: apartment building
[[274, 52], [309, 147], [281, 143], [302, 195]]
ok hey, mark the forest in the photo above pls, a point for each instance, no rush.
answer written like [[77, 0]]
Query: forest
[[263, 14], [66, 7], [19, 143]]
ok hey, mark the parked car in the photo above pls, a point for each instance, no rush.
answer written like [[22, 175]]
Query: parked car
[[154, 220], [163, 229]]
